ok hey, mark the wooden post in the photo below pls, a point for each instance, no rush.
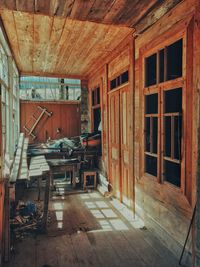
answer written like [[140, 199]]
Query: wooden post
[[6, 223], [196, 64], [46, 200], [132, 122]]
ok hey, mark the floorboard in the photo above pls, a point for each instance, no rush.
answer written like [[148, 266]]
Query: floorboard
[[85, 229]]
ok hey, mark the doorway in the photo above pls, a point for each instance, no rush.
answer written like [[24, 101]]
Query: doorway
[[119, 143]]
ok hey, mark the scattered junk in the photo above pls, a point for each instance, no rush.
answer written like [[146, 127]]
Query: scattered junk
[[91, 139], [70, 146], [25, 218]]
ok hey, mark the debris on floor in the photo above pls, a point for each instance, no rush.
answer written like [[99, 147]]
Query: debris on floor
[[25, 218]]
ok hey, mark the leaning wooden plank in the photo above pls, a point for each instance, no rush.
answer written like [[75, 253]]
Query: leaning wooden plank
[[17, 161], [23, 173]]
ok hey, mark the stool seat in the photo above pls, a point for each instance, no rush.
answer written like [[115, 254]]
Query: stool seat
[[89, 179]]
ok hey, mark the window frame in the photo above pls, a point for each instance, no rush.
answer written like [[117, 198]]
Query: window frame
[[160, 88]]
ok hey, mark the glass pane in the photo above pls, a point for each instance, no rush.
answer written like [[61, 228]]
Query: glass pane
[[98, 95], [173, 100], [118, 81], [167, 136], [151, 104], [177, 136], [124, 77], [172, 173], [147, 134], [151, 65], [113, 84], [151, 165], [161, 66], [174, 60], [93, 98], [155, 134]]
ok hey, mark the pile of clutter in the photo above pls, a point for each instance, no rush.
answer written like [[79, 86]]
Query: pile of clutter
[[25, 217]]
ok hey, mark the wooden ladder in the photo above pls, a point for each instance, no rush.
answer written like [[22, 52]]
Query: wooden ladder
[[35, 119]]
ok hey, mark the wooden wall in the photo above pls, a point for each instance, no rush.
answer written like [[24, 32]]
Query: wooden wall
[[65, 116], [160, 204], [163, 207], [119, 61]]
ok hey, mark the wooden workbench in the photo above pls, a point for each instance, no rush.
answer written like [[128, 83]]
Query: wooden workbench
[[65, 165]]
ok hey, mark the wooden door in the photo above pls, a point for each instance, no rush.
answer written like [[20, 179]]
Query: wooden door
[[114, 142], [125, 144], [119, 143]]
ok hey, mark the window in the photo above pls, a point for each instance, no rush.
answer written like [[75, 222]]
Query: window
[[151, 133], [163, 114], [119, 80], [172, 135], [96, 109], [164, 65], [46, 88]]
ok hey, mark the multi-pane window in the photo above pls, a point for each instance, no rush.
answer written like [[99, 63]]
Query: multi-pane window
[[119, 80], [172, 135], [151, 133], [46, 88], [163, 114]]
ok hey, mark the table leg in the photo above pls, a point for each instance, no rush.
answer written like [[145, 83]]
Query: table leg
[[46, 201], [74, 178]]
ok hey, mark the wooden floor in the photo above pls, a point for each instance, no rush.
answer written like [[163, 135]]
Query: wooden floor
[[86, 230]]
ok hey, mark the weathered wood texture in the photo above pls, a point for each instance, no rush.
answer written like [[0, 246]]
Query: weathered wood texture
[[117, 121], [169, 207], [45, 45], [196, 151], [87, 230], [117, 12], [65, 117]]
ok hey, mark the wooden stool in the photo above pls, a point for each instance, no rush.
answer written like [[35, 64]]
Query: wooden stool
[[93, 174]]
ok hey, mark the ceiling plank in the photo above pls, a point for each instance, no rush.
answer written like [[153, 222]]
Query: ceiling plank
[[10, 4], [114, 11], [25, 5], [81, 9], [155, 14], [132, 11], [65, 8], [42, 6], [53, 47], [60, 7], [24, 30], [99, 10], [42, 34], [12, 35], [74, 34]]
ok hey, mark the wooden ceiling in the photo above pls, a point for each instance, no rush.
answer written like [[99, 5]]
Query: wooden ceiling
[[68, 37], [54, 45], [118, 12]]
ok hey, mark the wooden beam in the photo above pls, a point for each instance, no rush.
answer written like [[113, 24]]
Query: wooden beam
[[132, 122], [154, 15], [53, 75], [196, 142]]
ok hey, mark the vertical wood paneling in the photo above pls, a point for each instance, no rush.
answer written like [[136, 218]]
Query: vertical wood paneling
[[66, 116]]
